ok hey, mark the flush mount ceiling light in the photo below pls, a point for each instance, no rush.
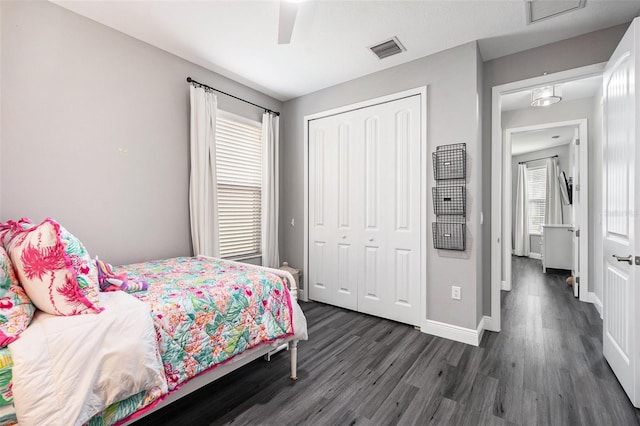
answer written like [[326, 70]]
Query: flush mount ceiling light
[[545, 96]]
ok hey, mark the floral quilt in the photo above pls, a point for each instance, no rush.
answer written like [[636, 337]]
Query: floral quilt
[[206, 310], [121, 410], [7, 411]]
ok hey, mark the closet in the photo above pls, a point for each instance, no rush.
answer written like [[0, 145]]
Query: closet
[[364, 209]]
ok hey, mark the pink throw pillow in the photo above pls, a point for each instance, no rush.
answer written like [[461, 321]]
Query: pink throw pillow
[[54, 267]]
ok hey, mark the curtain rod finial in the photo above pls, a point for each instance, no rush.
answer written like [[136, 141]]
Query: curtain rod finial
[[189, 80]]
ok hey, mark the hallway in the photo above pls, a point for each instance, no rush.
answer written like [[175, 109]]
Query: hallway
[[564, 373]]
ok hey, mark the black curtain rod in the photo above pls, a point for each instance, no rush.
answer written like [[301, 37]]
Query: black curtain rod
[[197, 83], [536, 159]]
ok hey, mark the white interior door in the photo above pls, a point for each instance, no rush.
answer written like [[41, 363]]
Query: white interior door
[[364, 210], [621, 225]]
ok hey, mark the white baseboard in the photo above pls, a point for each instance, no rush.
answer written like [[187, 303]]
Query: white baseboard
[[489, 324], [455, 332], [593, 298], [535, 256]]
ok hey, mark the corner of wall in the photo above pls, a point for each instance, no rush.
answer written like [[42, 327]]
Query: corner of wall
[[478, 176]]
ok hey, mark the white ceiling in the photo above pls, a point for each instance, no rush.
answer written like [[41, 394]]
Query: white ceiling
[[238, 39], [535, 140], [571, 90]]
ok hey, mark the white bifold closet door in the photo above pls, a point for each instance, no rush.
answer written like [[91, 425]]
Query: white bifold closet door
[[364, 210]]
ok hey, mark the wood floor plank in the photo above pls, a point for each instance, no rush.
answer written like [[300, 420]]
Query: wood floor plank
[[394, 406], [545, 368]]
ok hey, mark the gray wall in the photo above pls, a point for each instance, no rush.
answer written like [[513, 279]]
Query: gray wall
[[564, 111], [563, 162], [453, 116], [73, 93], [575, 52]]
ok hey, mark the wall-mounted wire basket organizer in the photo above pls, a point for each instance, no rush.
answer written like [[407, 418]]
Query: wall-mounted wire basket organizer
[[450, 197], [449, 200], [450, 162]]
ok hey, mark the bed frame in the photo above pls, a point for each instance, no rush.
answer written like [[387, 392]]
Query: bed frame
[[239, 360]]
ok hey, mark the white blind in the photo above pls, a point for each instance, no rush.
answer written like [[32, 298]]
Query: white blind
[[537, 194], [239, 163]]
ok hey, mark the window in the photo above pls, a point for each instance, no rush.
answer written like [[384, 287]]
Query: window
[[239, 164], [537, 194]]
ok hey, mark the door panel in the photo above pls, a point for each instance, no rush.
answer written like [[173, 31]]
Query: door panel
[[403, 277], [403, 169], [371, 273], [621, 225], [372, 171], [345, 189], [618, 291]]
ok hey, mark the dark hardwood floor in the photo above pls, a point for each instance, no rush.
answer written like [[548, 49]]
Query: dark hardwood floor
[[545, 368]]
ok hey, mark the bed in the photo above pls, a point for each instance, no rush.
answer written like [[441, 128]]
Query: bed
[[200, 319]]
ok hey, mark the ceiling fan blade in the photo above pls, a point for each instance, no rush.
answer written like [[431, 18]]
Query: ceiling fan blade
[[288, 12]]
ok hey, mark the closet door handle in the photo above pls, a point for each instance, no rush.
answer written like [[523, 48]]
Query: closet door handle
[[370, 239], [624, 259], [344, 237]]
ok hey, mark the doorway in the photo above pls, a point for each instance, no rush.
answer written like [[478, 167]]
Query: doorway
[[541, 203], [508, 121]]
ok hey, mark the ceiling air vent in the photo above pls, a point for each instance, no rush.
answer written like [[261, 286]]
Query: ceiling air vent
[[388, 48], [544, 9]]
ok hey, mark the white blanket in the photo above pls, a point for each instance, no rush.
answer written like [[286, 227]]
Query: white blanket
[[67, 369]]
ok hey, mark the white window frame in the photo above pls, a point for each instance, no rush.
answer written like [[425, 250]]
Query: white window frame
[[225, 115]]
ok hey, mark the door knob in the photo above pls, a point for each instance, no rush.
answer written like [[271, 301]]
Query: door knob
[[624, 259], [370, 239], [344, 237]]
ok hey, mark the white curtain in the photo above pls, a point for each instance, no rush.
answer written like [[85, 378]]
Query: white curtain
[[270, 182], [203, 192], [553, 203], [522, 246]]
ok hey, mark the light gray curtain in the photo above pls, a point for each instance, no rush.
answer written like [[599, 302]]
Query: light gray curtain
[[553, 203], [270, 183], [522, 246], [203, 191]]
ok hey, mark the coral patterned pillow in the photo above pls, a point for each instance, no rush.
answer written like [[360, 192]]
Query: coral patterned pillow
[[54, 268], [16, 309]]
